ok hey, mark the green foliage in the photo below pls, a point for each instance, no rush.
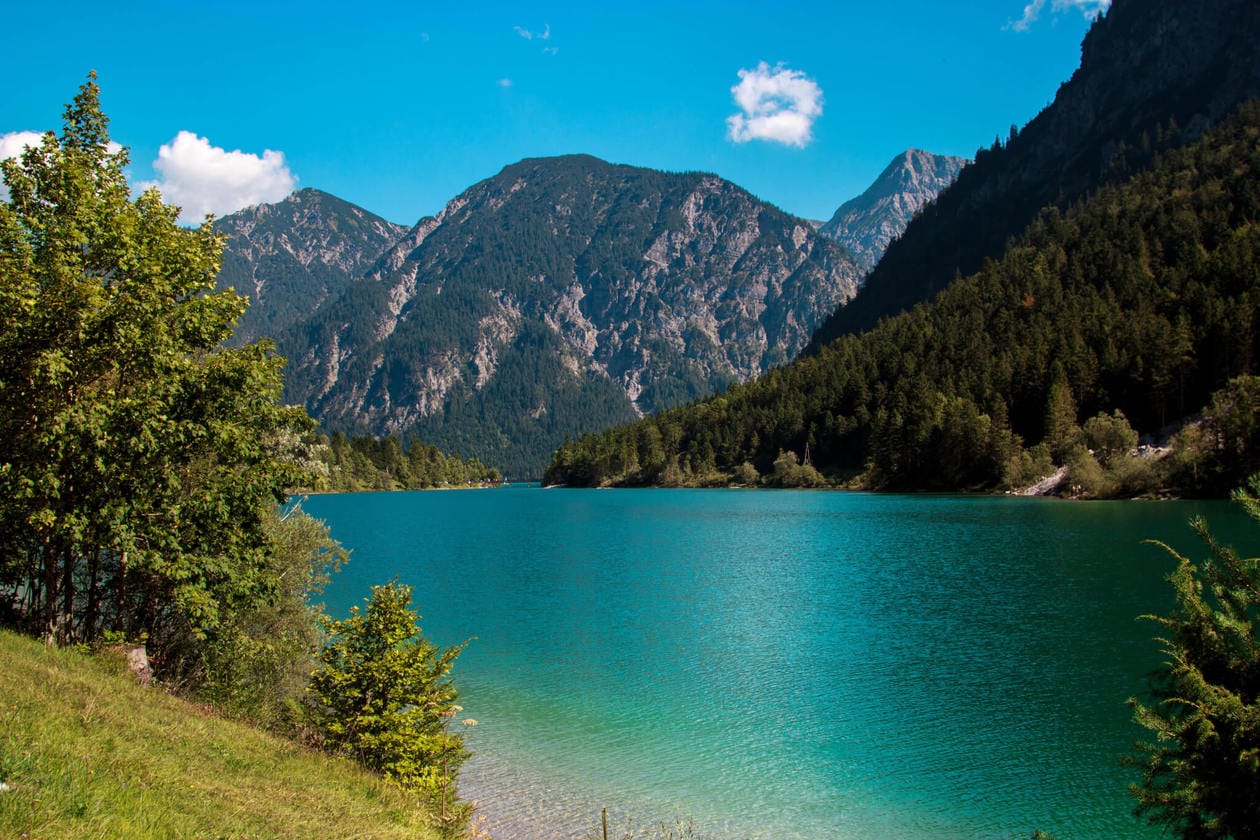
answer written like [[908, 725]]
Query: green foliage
[[789, 473], [1142, 300], [258, 666], [383, 696], [1087, 475], [1026, 467], [1224, 448], [1201, 774], [1061, 432], [141, 459], [747, 475], [1109, 436], [364, 462]]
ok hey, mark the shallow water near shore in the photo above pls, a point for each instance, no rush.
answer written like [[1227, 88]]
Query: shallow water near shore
[[786, 664]]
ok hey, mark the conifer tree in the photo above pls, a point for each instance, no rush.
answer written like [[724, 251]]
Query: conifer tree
[[383, 696], [1201, 774]]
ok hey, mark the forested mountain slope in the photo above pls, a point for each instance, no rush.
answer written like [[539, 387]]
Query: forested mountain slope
[[1145, 299], [1153, 74], [561, 296], [292, 256]]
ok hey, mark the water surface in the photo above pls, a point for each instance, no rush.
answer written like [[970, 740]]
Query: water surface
[[785, 664]]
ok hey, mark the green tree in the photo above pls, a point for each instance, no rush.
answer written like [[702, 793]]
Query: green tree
[[1109, 436], [1201, 775], [259, 664], [383, 696], [789, 473], [747, 475], [141, 459], [1061, 429]]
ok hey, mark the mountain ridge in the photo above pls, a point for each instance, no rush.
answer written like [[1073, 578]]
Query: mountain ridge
[[623, 289]]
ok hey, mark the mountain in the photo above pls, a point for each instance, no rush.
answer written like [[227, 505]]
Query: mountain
[[561, 296], [1130, 311], [292, 256], [866, 224], [1153, 75]]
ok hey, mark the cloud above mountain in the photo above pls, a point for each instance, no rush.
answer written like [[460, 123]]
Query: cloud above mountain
[[202, 178], [1089, 8], [777, 104]]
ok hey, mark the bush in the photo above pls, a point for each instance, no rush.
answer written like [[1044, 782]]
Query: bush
[[259, 667]]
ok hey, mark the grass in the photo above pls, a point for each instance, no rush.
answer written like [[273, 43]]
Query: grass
[[86, 752]]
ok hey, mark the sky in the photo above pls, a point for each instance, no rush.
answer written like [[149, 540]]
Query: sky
[[399, 107]]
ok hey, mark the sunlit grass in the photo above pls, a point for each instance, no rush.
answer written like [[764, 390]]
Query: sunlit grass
[[85, 752]]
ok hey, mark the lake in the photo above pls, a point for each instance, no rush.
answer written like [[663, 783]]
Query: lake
[[779, 664]]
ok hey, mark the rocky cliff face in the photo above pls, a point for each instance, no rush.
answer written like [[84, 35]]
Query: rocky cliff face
[[866, 224], [560, 296], [1153, 74], [292, 256]]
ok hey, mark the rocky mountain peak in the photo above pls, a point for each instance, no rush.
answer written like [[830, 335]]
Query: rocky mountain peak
[[866, 224], [290, 256]]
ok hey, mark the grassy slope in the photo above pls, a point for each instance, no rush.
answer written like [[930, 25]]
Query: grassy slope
[[86, 752]]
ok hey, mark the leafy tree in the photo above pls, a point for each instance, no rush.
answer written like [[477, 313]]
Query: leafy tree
[[747, 475], [383, 696], [141, 459], [259, 664], [1201, 775], [789, 473], [1109, 436]]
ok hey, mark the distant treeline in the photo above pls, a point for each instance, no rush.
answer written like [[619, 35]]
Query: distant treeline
[[344, 464], [1142, 300]]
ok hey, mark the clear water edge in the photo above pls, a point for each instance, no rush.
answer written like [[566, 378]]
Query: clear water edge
[[785, 664]]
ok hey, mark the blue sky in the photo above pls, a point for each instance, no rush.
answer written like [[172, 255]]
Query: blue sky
[[399, 107]]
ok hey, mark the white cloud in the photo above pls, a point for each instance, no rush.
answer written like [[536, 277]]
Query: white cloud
[[1089, 8], [11, 146], [504, 83], [529, 36], [203, 179], [777, 104], [1031, 13]]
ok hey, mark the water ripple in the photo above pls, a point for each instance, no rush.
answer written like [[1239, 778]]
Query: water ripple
[[783, 665]]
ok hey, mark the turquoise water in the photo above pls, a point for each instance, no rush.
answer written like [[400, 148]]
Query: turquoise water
[[785, 664]]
